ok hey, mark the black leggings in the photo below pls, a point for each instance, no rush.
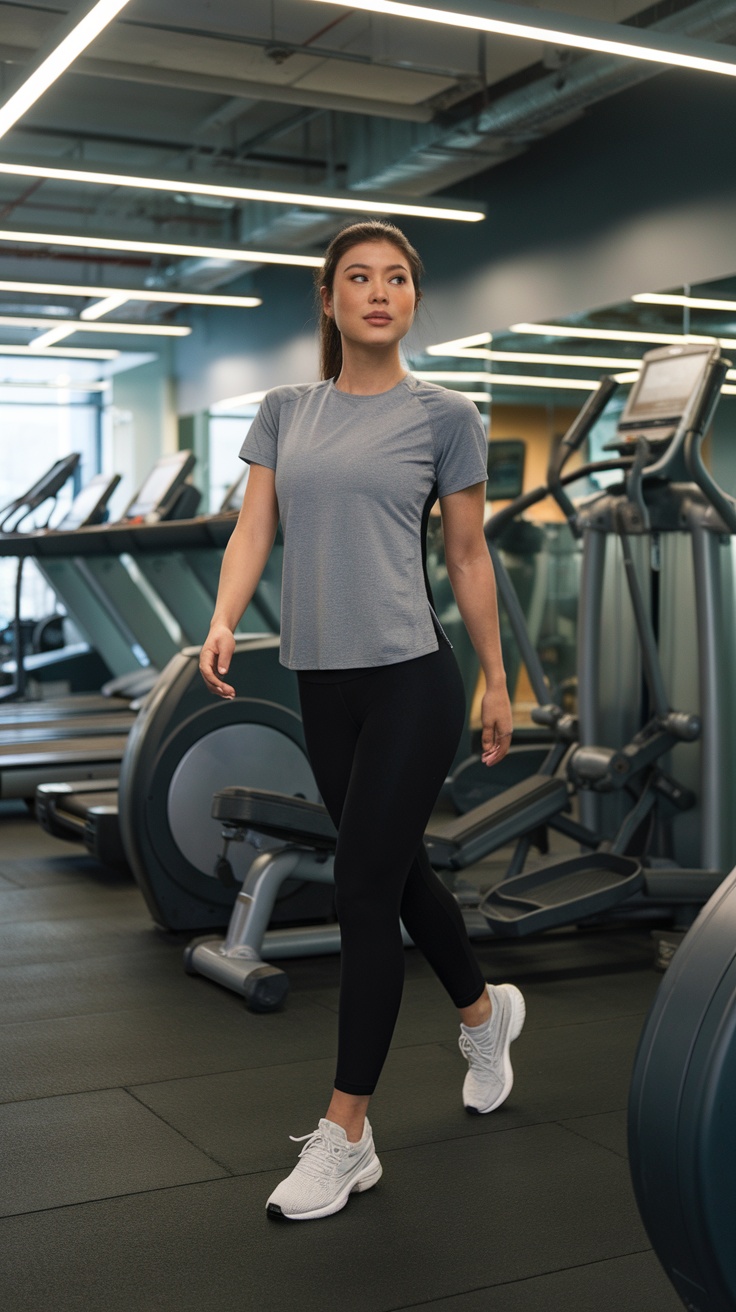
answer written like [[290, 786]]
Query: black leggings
[[380, 742]]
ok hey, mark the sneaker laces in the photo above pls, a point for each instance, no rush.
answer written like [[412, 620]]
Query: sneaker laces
[[474, 1052], [322, 1162]]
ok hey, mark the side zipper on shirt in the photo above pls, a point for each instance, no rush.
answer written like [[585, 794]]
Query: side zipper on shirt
[[438, 626]]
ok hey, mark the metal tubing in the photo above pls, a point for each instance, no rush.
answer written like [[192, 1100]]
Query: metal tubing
[[507, 593], [711, 649], [589, 652], [647, 640], [254, 904]]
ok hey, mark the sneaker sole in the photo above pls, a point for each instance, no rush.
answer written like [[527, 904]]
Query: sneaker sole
[[516, 1025], [369, 1176]]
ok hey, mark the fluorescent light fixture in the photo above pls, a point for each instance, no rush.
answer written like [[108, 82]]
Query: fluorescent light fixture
[[352, 203], [507, 380], [692, 302], [58, 61], [82, 326], [559, 30], [105, 306], [69, 386], [728, 391], [53, 336], [62, 352], [613, 334], [536, 357], [162, 248], [236, 402], [630, 377], [459, 344], [129, 294]]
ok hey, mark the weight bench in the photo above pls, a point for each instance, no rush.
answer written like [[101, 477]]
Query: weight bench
[[309, 838]]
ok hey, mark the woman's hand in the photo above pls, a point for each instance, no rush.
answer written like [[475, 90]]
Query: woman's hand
[[497, 725], [214, 660]]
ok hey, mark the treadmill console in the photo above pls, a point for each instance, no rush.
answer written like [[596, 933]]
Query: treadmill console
[[161, 490], [90, 505], [46, 487], [670, 382]]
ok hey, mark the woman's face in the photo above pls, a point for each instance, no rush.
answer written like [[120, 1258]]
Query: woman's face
[[373, 299]]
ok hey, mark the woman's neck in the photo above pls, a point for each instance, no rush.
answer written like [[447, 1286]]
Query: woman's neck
[[366, 373]]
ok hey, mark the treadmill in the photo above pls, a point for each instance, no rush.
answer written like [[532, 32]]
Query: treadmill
[[85, 738]]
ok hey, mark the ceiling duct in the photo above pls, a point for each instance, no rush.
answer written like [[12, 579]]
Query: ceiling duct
[[421, 158], [418, 159]]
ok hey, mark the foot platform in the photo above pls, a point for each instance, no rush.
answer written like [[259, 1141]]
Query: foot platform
[[561, 893]]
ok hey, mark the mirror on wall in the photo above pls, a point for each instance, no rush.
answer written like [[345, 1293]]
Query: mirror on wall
[[529, 382]]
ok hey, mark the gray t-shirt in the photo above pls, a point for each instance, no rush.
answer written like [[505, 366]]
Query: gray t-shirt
[[356, 477]]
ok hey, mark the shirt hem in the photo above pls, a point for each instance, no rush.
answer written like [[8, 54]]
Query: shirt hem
[[424, 650]]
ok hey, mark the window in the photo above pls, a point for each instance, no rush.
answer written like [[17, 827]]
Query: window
[[33, 434]]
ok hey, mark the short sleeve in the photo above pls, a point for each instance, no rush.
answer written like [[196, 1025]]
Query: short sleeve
[[461, 450], [261, 443]]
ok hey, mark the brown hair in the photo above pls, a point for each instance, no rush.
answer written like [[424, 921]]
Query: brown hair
[[372, 230]]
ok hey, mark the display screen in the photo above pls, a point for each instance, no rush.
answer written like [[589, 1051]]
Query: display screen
[[666, 385], [164, 475], [86, 503], [505, 468]]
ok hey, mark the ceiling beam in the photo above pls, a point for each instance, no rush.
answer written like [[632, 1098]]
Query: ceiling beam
[[211, 84]]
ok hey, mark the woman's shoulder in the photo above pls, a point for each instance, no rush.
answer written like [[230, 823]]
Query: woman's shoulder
[[442, 401], [286, 393]]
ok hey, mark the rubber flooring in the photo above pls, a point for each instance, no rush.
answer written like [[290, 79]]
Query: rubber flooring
[[145, 1117]]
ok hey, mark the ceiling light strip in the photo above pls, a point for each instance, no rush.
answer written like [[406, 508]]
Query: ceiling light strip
[[506, 380], [129, 294], [82, 326], [72, 45], [105, 306], [614, 334], [238, 256], [565, 30], [51, 338], [31, 385], [690, 302], [356, 203], [63, 352], [459, 344], [536, 357], [235, 402]]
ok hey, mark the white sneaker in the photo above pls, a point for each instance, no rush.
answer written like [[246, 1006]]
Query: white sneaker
[[490, 1079], [329, 1169]]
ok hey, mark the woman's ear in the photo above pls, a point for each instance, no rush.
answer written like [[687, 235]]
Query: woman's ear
[[326, 301]]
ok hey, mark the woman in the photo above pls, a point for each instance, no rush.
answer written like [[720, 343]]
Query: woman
[[352, 466]]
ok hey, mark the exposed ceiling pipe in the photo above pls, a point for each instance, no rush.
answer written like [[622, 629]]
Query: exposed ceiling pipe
[[418, 159], [435, 156]]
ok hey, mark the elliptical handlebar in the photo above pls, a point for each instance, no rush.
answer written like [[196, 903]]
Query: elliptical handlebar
[[692, 449], [498, 522], [572, 441], [556, 481], [581, 426]]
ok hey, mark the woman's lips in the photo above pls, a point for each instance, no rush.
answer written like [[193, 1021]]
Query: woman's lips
[[377, 318]]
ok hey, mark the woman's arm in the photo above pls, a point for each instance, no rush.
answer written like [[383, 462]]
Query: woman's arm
[[471, 575], [242, 566]]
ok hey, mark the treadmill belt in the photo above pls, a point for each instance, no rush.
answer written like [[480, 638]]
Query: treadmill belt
[[92, 703], [92, 726]]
